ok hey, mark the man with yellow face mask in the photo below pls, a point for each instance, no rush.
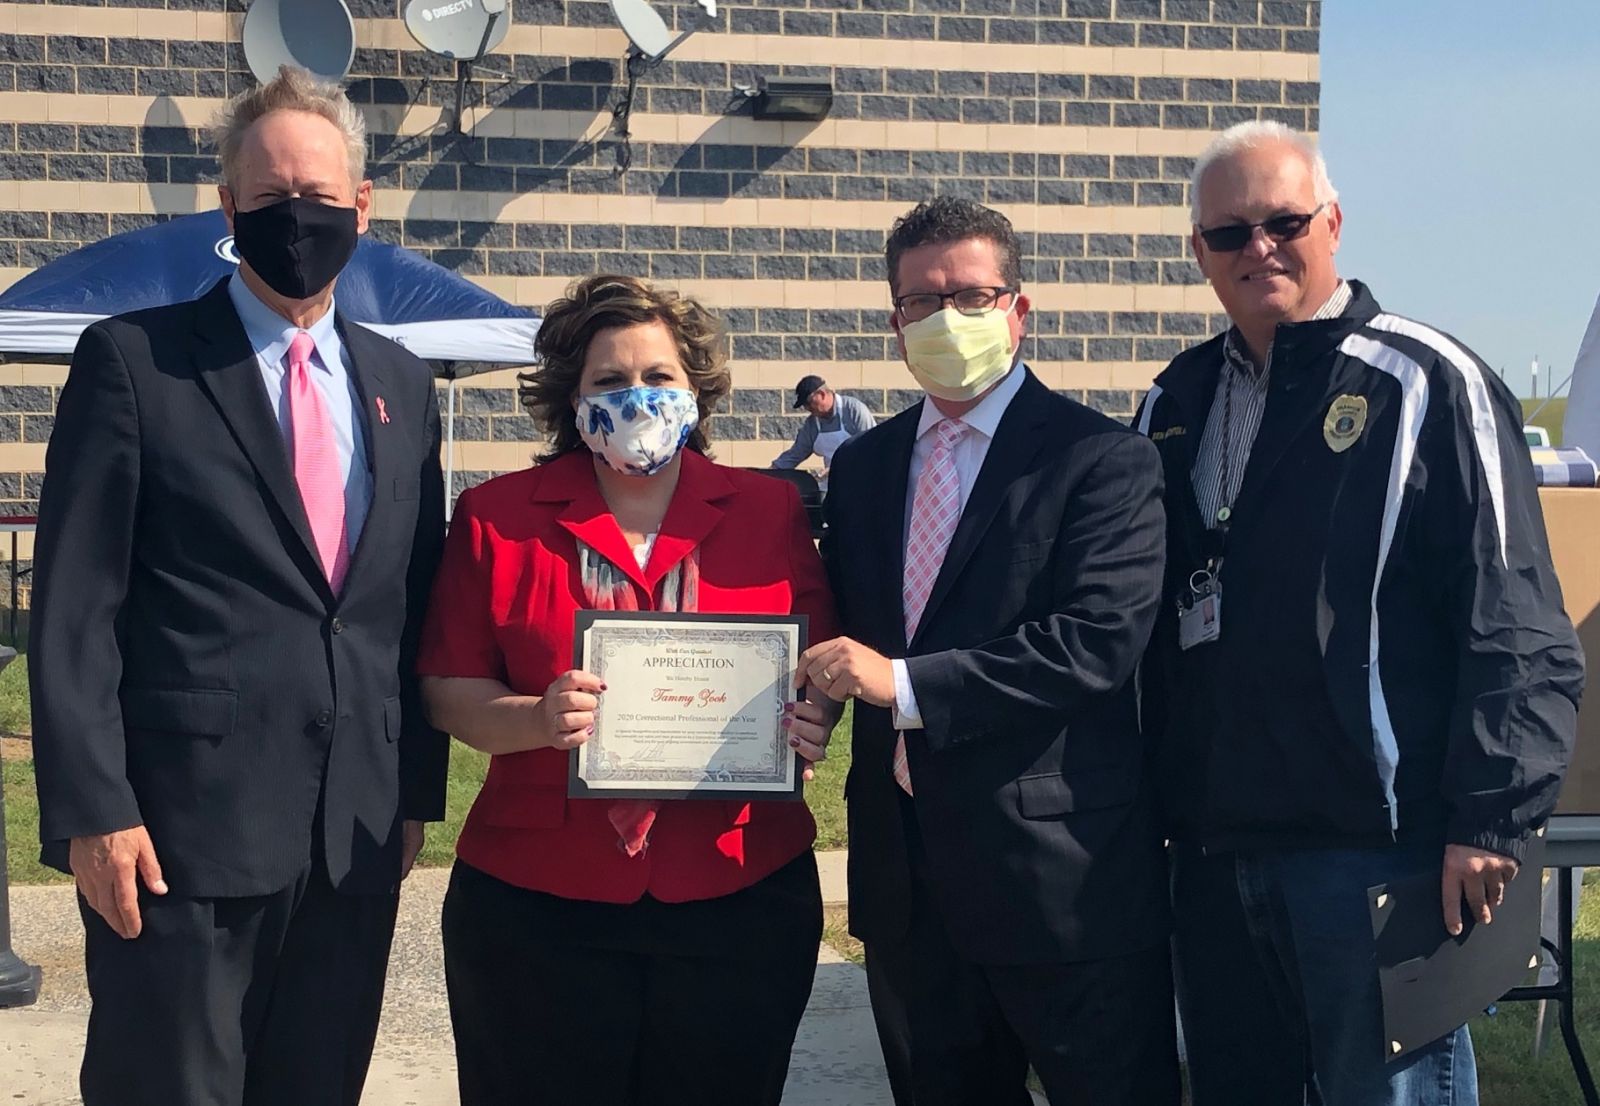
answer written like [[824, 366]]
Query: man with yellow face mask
[[996, 552]]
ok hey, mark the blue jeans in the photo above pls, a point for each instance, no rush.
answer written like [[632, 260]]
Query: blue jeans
[[1278, 983]]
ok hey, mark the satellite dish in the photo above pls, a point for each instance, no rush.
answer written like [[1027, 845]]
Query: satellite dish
[[648, 32], [317, 35], [465, 30], [644, 27]]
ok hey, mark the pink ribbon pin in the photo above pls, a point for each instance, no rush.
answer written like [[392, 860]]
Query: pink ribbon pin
[[383, 412]]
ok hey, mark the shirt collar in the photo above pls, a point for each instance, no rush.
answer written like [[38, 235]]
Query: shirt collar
[[1334, 306], [270, 333], [985, 417]]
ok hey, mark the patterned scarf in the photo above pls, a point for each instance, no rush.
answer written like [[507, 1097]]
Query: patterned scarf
[[607, 588]]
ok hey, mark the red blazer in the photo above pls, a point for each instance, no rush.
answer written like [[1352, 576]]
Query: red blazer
[[503, 608]]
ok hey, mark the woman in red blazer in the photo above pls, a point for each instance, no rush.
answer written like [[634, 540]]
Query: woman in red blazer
[[596, 951]]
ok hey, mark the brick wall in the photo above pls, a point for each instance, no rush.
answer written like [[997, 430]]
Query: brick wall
[[1078, 118]]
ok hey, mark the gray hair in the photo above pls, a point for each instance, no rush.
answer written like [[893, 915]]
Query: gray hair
[[293, 89], [1253, 135]]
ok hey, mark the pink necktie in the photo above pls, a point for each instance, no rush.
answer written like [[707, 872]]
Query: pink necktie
[[935, 510], [316, 463]]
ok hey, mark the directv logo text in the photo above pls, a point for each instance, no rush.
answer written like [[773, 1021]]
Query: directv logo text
[[459, 6]]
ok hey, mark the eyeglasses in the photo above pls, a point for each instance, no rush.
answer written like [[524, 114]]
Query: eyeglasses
[[1280, 228], [969, 301]]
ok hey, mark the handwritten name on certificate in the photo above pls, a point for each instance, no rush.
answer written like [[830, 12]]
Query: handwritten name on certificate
[[693, 706]]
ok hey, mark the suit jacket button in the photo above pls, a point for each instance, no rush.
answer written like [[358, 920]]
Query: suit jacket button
[[324, 718], [337, 626]]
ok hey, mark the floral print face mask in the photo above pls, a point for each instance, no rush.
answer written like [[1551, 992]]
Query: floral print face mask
[[638, 431]]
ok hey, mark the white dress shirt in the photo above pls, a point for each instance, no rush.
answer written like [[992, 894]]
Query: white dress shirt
[[983, 420], [270, 334]]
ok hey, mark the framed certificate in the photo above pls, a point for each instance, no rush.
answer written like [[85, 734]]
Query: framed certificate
[[693, 707]]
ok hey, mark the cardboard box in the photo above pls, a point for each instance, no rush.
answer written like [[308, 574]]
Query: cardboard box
[[1572, 519]]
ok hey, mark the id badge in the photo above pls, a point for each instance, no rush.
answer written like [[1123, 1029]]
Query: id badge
[[1201, 621]]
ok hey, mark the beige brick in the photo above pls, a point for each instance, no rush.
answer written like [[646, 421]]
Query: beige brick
[[77, 109], [493, 456], [181, 25], [24, 105], [391, 34], [746, 454], [490, 381], [41, 20], [1079, 374], [863, 134], [21, 456], [482, 122], [886, 374], [1289, 67], [1131, 61], [213, 26], [1212, 63], [1199, 297], [113, 23], [1136, 374]]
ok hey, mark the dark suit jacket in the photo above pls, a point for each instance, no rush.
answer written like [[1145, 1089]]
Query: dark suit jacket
[[1031, 791], [189, 665]]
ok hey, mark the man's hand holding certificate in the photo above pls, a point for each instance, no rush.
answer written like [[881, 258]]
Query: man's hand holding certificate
[[695, 706]]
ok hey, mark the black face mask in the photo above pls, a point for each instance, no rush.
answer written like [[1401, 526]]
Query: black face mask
[[296, 245]]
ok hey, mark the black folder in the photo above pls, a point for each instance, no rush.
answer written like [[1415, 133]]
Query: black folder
[[1433, 982]]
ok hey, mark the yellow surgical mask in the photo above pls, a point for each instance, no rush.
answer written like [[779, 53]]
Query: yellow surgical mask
[[957, 357]]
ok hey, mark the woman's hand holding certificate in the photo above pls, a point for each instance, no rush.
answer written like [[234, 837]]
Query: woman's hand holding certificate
[[564, 718]]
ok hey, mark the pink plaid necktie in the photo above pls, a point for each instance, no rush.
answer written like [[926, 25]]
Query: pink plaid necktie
[[316, 463], [935, 510]]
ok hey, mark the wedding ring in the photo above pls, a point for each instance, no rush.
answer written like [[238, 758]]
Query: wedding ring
[[826, 675]]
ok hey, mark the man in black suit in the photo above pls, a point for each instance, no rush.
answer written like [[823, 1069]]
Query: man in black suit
[[241, 517], [996, 553]]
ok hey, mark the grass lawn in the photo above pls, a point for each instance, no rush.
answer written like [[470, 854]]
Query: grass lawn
[[1550, 418]]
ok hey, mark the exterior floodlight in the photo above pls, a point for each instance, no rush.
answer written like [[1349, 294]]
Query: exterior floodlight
[[317, 35], [805, 101]]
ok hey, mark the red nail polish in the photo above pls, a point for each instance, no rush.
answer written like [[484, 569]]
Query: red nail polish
[[786, 722], [794, 743]]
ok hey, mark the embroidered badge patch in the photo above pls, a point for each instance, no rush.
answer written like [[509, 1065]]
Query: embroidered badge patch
[[1347, 417]]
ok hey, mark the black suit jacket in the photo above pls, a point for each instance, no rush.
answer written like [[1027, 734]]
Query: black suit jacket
[[1031, 791], [189, 665]]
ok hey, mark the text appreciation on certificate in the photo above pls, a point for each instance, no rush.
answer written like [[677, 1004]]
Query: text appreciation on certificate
[[693, 706]]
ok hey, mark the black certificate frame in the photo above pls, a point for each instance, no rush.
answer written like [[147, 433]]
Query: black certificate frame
[[579, 787]]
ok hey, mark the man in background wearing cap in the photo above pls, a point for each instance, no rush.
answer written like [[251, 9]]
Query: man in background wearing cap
[[835, 419]]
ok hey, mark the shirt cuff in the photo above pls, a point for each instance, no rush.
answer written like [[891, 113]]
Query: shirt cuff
[[907, 716]]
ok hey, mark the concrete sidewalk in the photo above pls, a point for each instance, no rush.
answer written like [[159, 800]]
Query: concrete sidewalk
[[836, 1059]]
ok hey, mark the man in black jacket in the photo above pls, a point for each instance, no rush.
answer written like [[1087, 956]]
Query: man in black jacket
[[1362, 670], [995, 552], [241, 518]]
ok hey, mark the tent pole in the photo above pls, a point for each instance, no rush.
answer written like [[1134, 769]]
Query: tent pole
[[450, 453]]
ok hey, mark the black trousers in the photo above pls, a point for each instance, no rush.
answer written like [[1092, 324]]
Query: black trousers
[[258, 1001], [959, 1033], [556, 1002]]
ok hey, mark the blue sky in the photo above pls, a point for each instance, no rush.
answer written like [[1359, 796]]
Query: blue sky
[[1464, 139]]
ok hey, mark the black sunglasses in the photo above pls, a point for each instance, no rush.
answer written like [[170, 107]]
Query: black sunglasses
[[1280, 228]]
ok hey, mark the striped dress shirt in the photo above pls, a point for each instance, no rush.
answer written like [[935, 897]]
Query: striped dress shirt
[[1242, 395]]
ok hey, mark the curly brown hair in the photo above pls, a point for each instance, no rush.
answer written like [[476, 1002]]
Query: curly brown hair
[[603, 301]]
